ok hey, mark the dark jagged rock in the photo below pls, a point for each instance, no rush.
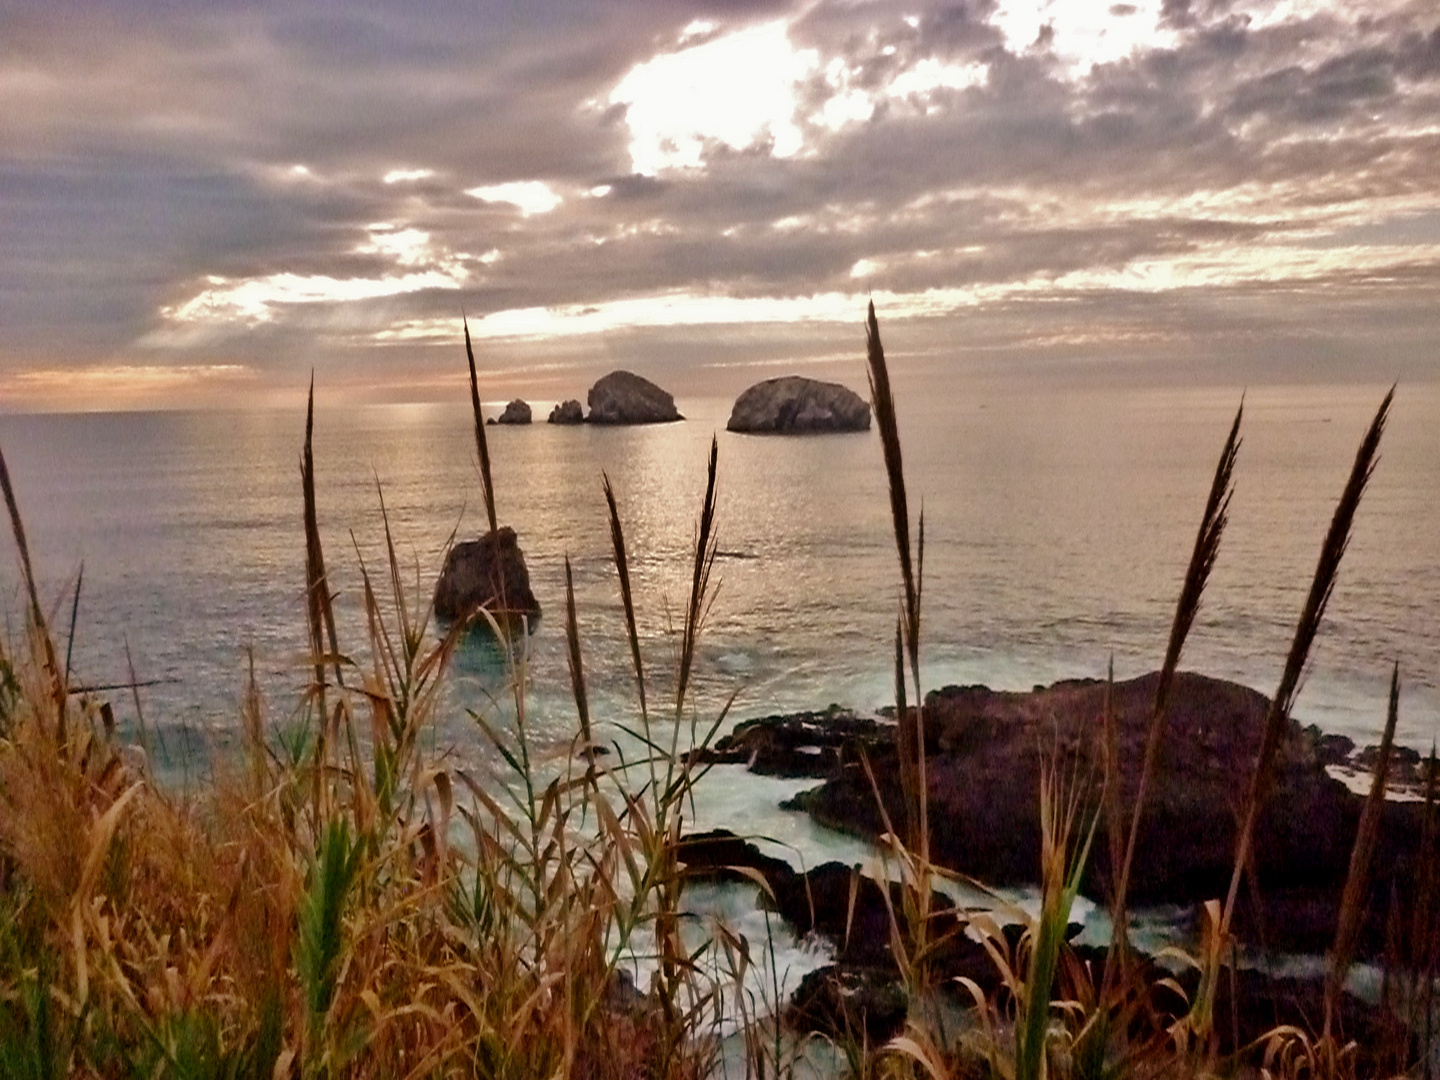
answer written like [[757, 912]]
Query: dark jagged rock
[[808, 744], [985, 750], [817, 901], [625, 398], [844, 1002], [794, 405], [517, 412], [490, 573], [1252, 1004], [567, 412], [714, 855]]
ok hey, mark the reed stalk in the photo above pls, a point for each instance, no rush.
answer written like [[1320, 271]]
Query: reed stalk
[[318, 606], [1424, 937], [910, 720], [40, 630], [1327, 571], [576, 664], [627, 596], [1357, 880], [1197, 574], [481, 447]]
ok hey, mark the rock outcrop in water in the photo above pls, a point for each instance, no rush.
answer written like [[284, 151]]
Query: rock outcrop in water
[[863, 991], [984, 755], [794, 405], [517, 412], [489, 572], [567, 412], [625, 398]]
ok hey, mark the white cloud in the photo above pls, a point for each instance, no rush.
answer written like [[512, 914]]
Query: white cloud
[[930, 75], [255, 300], [529, 196], [408, 247], [1085, 32], [738, 89], [403, 176]]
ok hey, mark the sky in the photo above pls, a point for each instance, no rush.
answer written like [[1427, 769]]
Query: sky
[[202, 202]]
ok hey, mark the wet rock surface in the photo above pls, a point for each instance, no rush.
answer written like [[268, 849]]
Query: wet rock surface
[[794, 405], [807, 744], [623, 397], [984, 754], [488, 572]]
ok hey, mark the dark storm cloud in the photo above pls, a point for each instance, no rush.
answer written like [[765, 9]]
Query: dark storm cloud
[[157, 156]]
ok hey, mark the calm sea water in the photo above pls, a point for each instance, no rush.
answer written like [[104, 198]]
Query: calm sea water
[[1058, 525]]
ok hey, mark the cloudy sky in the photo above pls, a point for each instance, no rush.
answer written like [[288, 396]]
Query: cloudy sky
[[199, 202]]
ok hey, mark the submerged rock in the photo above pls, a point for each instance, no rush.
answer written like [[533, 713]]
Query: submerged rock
[[567, 412], [794, 405], [517, 412], [490, 573], [625, 398]]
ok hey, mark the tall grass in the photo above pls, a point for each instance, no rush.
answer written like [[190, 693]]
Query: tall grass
[[344, 904], [333, 909]]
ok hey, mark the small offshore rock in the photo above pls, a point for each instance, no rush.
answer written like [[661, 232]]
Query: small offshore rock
[[795, 405], [490, 573], [517, 412], [567, 412], [623, 397]]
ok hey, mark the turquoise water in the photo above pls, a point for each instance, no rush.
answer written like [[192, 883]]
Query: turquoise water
[[1058, 525]]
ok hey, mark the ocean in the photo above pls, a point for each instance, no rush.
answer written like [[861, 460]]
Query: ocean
[[1058, 525]]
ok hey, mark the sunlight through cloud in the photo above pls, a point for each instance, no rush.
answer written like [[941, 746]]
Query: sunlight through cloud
[[677, 102], [528, 196], [1083, 33], [255, 300], [402, 176]]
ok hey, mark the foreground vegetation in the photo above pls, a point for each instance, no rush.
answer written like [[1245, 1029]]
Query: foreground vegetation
[[341, 904]]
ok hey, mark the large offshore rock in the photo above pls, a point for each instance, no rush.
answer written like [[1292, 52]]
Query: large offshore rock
[[490, 573], [794, 405], [517, 412], [567, 412], [625, 398]]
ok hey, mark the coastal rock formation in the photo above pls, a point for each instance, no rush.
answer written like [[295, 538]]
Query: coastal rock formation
[[490, 573], [863, 990], [794, 405], [625, 398], [807, 744], [985, 751], [567, 412], [517, 412]]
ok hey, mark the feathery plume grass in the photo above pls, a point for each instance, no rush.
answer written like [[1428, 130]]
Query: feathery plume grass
[[481, 447], [1327, 570], [627, 596], [1357, 880], [700, 592], [577, 666], [911, 733], [1197, 574], [41, 632]]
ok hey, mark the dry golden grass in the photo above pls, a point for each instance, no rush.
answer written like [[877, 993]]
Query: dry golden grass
[[343, 905]]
